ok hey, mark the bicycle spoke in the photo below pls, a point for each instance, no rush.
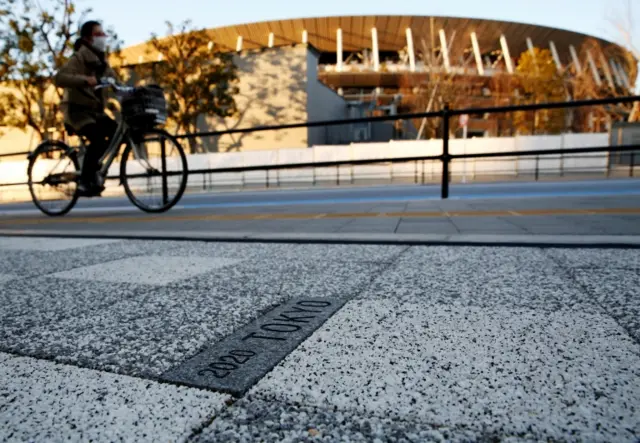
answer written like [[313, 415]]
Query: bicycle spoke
[[53, 192], [152, 182]]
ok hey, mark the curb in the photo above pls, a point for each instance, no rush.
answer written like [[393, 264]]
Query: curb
[[564, 241]]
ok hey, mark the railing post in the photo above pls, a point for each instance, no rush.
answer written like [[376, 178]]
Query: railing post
[[445, 152], [537, 167]]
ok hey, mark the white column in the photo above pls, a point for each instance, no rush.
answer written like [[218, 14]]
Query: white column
[[239, 44], [607, 71], [616, 73], [576, 60], [530, 47], [412, 54], [556, 58], [476, 52], [533, 54], [623, 74], [305, 37], [505, 54], [445, 51], [374, 48], [339, 49], [271, 39], [594, 69]]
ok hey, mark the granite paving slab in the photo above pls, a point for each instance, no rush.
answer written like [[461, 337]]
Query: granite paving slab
[[433, 344], [46, 401], [505, 373], [617, 292], [39, 258], [147, 269], [289, 278], [149, 335], [47, 302], [48, 244], [596, 258]]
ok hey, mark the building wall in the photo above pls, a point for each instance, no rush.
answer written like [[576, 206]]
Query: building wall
[[322, 104], [275, 86], [273, 91], [15, 140]]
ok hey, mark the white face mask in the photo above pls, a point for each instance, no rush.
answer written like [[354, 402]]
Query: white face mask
[[100, 43]]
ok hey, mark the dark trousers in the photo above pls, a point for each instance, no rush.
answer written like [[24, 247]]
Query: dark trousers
[[99, 134]]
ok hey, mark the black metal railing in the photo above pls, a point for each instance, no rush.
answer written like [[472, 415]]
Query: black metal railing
[[445, 157]]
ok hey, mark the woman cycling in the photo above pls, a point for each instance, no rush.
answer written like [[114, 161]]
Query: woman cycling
[[83, 106]]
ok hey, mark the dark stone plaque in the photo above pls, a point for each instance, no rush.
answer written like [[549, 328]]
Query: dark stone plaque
[[239, 361]]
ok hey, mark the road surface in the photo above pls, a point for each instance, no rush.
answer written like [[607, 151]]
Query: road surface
[[610, 207]]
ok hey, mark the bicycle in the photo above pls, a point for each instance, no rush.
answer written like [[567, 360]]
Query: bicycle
[[143, 109]]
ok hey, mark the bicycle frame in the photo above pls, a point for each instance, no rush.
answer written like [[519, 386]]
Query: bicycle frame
[[121, 135]]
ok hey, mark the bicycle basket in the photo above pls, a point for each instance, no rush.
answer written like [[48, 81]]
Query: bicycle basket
[[145, 107]]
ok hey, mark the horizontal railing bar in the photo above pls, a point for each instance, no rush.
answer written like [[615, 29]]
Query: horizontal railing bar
[[547, 152], [420, 115], [236, 169], [547, 105], [395, 160]]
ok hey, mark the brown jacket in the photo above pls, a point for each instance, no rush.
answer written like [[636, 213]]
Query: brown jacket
[[81, 104]]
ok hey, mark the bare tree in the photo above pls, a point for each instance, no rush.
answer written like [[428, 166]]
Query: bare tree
[[625, 26], [588, 84], [433, 88], [198, 80], [626, 29], [34, 43]]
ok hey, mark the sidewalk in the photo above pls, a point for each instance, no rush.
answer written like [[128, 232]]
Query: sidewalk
[[207, 342]]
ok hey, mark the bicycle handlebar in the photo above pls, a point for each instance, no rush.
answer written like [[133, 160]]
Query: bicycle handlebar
[[111, 83]]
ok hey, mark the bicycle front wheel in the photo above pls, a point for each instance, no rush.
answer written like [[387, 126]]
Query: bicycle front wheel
[[154, 171], [53, 178]]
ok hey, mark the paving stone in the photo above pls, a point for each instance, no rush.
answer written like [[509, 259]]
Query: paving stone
[[597, 258], [486, 277], [149, 334], [146, 269], [45, 401], [617, 292], [434, 343], [47, 302], [48, 244], [289, 278], [506, 373], [427, 228], [254, 419]]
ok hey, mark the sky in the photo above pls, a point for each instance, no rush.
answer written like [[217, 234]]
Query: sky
[[135, 20]]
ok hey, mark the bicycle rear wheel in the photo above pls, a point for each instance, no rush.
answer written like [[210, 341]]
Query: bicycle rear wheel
[[53, 173], [156, 166]]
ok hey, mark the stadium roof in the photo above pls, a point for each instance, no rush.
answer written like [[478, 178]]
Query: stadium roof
[[356, 34]]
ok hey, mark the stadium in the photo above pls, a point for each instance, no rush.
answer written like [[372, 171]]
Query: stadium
[[334, 68], [331, 68], [352, 66]]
